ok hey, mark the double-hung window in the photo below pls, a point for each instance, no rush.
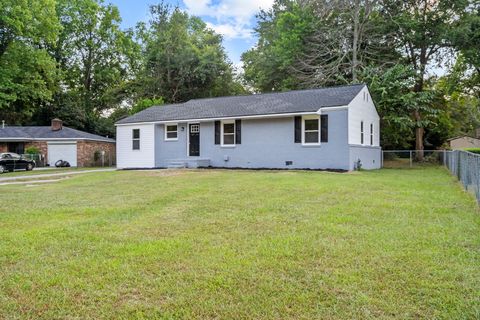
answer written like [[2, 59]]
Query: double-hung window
[[135, 139], [371, 134], [361, 133], [228, 133], [311, 130], [171, 132]]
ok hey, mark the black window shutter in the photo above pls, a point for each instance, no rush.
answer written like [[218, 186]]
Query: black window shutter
[[238, 131], [324, 128], [298, 129], [217, 132]]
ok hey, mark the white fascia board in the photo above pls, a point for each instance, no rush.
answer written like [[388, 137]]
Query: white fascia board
[[273, 115], [52, 139], [332, 109]]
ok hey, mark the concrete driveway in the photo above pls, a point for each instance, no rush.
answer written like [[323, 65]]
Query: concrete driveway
[[51, 175]]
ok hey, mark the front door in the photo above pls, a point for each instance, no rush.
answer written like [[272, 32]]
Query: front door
[[194, 139]]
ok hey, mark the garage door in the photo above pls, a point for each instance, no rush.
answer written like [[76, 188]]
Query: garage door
[[66, 151]]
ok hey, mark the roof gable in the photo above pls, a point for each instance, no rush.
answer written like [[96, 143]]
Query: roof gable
[[310, 100]]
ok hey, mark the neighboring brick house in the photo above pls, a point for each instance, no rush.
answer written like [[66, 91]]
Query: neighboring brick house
[[56, 142]]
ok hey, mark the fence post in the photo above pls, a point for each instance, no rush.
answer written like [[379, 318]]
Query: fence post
[[411, 160]]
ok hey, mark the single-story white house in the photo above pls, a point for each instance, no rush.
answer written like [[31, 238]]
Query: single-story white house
[[327, 128]]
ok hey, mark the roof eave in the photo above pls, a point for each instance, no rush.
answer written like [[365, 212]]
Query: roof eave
[[260, 116]]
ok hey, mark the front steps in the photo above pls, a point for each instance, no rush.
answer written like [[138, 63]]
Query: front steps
[[187, 163]]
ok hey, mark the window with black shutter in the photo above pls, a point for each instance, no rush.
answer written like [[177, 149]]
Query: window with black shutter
[[361, 133], [238, 131], [298, 129], [217, 132], [324, 128]]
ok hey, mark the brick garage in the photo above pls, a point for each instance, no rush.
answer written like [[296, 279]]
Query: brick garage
[[86, 149]]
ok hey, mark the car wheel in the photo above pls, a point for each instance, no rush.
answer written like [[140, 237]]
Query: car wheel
[[2, 168], [29, 167]]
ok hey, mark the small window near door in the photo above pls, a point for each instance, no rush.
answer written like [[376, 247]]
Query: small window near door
[[171, 132], [228, 133], [136, 139]]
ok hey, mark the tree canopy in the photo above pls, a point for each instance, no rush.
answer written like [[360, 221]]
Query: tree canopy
[[71, 59], [393, 46]]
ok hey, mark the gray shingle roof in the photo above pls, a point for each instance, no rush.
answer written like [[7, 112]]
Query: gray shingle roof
[[260, 104], [45, 132]]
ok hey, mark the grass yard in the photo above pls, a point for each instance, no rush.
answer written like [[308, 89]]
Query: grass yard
[[391, 244]]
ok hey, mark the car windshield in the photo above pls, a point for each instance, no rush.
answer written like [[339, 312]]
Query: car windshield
[[9, 156]]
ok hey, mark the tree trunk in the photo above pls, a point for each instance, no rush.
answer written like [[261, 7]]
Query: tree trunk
[[356, 22], [419, 131]]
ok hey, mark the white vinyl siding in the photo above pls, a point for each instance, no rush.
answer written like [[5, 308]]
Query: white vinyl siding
[[141, 158], [361, 109]]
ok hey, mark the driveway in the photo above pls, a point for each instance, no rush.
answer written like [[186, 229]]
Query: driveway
[[52, 175]]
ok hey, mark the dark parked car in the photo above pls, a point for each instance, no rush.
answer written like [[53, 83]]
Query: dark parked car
[[11, 161]]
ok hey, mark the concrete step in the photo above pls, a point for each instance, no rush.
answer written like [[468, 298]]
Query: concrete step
[[176, 165]]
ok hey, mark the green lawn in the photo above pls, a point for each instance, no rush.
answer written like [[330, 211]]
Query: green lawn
[[241, 245]]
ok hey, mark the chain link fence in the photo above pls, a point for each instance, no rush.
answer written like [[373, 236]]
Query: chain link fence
[[463, 164], [102, 158], [40, 160], [97, 158], [396, 159], [466, 167]]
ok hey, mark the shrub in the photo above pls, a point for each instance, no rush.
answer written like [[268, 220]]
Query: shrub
[[32, 150], [473, 150], [97, 155]]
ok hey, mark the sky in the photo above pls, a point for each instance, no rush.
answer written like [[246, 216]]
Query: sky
[[234, 19]]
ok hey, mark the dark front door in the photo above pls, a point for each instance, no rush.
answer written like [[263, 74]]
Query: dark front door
[[194, 139]]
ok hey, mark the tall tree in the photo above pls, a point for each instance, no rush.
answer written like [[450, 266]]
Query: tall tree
[[183, 58], [281, 31], [348, 37], [421, 31], [27, 73], [395, 102], [96, 60]]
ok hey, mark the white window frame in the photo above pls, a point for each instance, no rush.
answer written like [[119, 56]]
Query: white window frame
[[137, 139], [311, 117], [222, 144], [167, 125]]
